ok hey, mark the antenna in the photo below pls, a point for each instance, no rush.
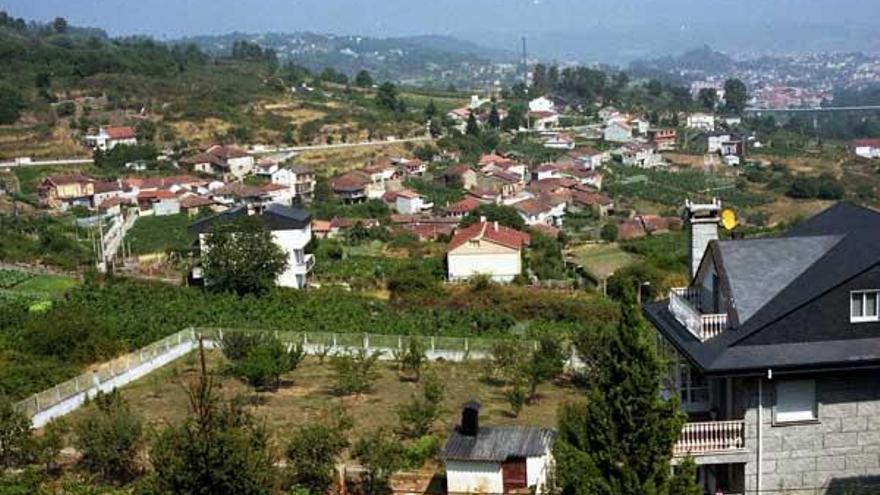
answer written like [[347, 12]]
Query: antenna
[[525, 62]]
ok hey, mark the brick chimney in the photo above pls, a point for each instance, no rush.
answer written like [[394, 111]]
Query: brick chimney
[[702, 228]]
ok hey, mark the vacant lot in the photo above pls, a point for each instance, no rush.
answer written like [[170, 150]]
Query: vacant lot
[[602, 260], [160, 234], [308, 392]]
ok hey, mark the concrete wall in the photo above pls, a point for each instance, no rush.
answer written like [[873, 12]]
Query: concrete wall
[[841, 447], [474, 477], [501, 263]]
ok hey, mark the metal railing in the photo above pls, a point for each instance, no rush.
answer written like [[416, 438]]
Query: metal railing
[[684, 305], [711, 437]]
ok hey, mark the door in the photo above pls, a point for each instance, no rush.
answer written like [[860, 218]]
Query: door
[[513, 474]]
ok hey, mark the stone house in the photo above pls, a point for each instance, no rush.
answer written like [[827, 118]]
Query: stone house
[[775, 354]]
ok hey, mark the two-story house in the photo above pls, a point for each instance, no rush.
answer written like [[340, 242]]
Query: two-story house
[[775, 352], [291, 230], [486, 248]]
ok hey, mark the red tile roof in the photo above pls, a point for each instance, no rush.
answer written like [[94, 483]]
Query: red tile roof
[[866, 143], [491, 232], [548, 230], [195, 201], [121, 132], [352, 181], [590, 198], [532, 207], [466, 205], [163, 182]]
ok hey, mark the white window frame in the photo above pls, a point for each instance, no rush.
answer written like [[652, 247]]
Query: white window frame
[[781, 418], [864, 318]]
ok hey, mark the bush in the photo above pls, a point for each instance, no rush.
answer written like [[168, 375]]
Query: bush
[[260, 359], [15, 436], [420, 451], [381, 455], [417, 417], [313, 451], [355, 372], [109, 437]]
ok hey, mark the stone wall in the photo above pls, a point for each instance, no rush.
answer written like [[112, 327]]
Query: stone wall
[[840, 449]]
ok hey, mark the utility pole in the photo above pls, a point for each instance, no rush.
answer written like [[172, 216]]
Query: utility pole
[[525, 62]]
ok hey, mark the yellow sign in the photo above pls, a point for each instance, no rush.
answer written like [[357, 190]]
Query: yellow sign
[[728, 219]]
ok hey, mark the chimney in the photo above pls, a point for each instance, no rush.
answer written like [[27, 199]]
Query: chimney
[[482, 219], [496, 226], [470, 419], [702, 226]]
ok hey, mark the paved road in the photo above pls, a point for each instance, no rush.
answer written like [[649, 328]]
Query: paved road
[[814, 109]]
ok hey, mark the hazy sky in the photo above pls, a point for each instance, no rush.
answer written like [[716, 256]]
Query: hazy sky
[[175, 18], [558, 26]]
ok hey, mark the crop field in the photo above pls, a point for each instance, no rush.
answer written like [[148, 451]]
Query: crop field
[[602, 260]]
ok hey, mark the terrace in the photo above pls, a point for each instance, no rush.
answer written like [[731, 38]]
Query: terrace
[[687, 307]]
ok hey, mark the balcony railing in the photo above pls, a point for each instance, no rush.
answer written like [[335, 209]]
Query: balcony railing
[[310, 262], [684, 304], [711, 437]]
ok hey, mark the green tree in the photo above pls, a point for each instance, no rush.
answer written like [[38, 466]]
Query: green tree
[[609, 231], [619, 441], [266, 362], [707, 97], [386, 96], [314, 449], [504, 215], [355, 372], [684, 481], [545, 363], [419, 415], [109, 437], [145, 130], [494, 117], [381, 455], [15, 435], [430, 110], [735, 95], [473, 128], [219, 448], [242, 257], [516, 396], [59, 25], [11, 104], [363, 79], [48, 446]]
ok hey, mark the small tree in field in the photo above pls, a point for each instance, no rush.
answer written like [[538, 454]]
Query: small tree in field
[[417, 417], [545, 363], [314, 449], [109, 437], [355, 372], [15, 435], [413, 359], [516, 396], [240, 256], [381, 455], [265, 364]]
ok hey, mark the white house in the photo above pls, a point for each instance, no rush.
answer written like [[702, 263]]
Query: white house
[[228, 161], [702, 121], [617, 131], [559, 142], [589, 158], [640, 155], [408, 202], [291, 230], [543, 120], [486, 248], [866, 148], [715, 140], [108, 138], [538, 211], [542, 104], [497, 459]]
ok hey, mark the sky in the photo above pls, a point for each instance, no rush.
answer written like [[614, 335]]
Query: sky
[[492, 22]]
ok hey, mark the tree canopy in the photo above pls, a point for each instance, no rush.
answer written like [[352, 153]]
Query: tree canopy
[[240, 256]]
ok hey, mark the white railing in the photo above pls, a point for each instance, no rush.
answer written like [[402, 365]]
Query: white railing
[[684, 304], [711, 437]]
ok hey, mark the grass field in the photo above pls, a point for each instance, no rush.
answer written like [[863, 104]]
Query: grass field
[[601, 260], [29, 177], [308, 392], [160, 234]]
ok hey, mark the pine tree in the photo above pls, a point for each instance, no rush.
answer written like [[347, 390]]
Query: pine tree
[[430, 110], [620, 440], [473, 129], [494, 117]]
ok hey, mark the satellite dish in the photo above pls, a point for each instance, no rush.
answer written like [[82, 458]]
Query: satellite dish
[[728, 219]]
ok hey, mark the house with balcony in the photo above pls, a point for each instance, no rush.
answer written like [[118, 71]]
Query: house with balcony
[[291, 230], [774, 352]]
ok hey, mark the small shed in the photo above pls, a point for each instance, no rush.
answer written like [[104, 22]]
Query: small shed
[[496, 459]]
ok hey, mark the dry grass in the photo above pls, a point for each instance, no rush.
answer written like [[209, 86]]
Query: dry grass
[[785, 209], [602, 260], [308, 392], [201, 132], [333, 161]]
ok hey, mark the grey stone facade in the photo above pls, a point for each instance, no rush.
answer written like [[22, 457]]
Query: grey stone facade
[[840, 449]]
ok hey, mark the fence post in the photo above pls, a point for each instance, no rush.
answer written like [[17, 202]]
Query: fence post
[[76, 384], [399, 343], [334, 340], [366, 341], [433, 348], [466, 344]]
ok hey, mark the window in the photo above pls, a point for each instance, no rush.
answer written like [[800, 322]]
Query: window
[[795, 401], [863, 305]]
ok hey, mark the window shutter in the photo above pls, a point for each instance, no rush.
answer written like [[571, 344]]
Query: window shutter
[[795, 401]]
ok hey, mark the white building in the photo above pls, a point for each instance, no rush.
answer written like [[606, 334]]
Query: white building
[[866, 148], [108, 138], [542, 104], [617, 131], [291, 230], [486, 248], [640, 155], [493, 459], [702, 121], [408, 202], [559, 142]]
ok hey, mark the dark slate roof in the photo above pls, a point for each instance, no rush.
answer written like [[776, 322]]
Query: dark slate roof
[[782, 276], [759, 269], [498, 443], [274, 216]]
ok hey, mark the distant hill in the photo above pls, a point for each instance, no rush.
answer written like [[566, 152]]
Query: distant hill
[[703, 59], [407, 59]]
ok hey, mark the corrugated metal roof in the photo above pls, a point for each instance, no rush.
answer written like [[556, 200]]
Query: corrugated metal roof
[[498, 443]]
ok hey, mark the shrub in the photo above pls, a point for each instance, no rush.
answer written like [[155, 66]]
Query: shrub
[[109, 436], [15, 435], [355, 371]]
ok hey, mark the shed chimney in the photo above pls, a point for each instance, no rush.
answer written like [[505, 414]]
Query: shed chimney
[[702, 227], [470, 419]]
